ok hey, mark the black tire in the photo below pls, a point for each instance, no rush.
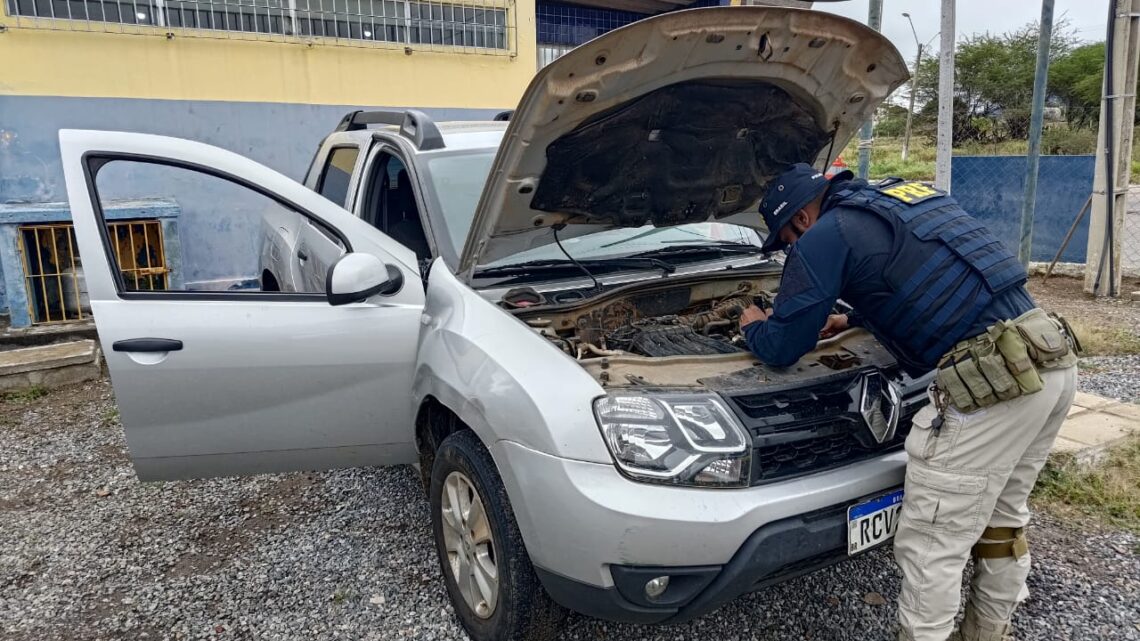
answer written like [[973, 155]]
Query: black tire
[[523, 611]]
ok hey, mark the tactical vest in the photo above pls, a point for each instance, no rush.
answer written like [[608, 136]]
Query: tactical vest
[[944, 270]]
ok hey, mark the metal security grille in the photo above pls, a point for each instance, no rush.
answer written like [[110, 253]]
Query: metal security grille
[[478, 25], [139, 253], [52, 273], [549, 53]]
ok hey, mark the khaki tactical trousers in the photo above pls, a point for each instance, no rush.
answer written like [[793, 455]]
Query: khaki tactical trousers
[[976, 471]]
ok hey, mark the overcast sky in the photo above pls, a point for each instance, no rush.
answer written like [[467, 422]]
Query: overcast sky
[[973, 16]]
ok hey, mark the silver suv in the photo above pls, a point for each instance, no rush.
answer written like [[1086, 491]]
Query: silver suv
[[543, 315]]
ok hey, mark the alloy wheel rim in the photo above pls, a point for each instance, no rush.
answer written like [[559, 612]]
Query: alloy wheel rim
[[470, 545]]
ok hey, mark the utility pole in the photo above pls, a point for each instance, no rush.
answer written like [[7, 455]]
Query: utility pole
[[910, 109], [913, 86], [1114, 147], [1036, 121], [875, 21], [945, 99]]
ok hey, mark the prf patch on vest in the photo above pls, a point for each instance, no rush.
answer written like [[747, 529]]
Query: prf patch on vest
[[911, 192]]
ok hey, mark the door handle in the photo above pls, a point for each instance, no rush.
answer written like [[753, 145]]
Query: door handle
[[147, 345], [302, 256]]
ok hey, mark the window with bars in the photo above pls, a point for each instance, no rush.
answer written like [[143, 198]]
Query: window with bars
[[53, 274], [53, 271], [477, 24], [139, 253]]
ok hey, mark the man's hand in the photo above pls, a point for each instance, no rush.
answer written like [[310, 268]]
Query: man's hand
[[753, 314], [835, 323]]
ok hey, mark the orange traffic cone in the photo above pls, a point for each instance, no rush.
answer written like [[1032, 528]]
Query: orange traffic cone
[[836, 167]]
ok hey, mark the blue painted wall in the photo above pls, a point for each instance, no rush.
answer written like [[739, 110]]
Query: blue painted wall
[[281, 136], [992, 188]]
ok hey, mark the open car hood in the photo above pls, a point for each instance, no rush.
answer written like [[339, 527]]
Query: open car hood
[[684, 117]]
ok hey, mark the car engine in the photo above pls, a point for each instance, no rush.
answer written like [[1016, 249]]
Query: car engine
[[715, 330], [670, 322]]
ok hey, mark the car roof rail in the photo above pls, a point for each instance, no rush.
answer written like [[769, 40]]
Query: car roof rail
[[414, 125], [504, 116]]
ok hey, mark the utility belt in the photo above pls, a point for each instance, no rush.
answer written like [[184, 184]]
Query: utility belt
[[1005, 362]]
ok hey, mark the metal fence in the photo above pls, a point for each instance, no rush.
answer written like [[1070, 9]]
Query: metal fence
[[53, 270], [549, 53], [52, 273], [140, 254], [992, 188], [1130, 252], [478, 26]]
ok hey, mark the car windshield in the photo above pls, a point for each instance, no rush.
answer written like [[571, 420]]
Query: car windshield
[[457, 181]]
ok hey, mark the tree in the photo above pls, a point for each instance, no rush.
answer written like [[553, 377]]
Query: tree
[[993, 88], [1076, 79]]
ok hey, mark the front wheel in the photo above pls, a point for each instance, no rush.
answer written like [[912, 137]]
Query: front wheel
[[489, 577]]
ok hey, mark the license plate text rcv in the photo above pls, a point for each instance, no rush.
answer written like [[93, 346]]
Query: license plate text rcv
[[873, 522]]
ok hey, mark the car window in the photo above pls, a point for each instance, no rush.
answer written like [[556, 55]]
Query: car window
[[337, 173], [176, 229], [457, 181], [391, 205], [615, 243]]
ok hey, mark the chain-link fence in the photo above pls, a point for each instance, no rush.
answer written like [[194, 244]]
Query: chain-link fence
[[992, 188], [989, 173]]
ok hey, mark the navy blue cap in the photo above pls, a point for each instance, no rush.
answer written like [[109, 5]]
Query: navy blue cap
[[786, 195]]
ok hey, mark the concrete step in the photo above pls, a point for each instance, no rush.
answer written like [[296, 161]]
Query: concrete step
[[49, 365]]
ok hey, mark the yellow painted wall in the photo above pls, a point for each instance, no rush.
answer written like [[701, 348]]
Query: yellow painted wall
[[40, 62]]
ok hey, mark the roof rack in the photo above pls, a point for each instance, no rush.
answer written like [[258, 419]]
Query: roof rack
[[414, 125], [504, 116]]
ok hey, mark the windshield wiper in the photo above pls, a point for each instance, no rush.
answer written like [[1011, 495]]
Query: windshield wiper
[[557, 265], [702, 249]]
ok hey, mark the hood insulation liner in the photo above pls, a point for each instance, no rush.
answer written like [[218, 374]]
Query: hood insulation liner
[[682, 153]]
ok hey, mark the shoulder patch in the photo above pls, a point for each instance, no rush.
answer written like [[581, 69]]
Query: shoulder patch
[[910, 192]]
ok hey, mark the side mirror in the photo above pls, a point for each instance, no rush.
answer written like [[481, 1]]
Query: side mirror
[[356, 276]]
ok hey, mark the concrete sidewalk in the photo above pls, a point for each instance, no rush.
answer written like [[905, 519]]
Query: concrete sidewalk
[[1096, 422]]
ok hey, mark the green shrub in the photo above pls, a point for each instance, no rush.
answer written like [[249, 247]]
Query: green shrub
[[1062, 141], [891, 126], [909, 170]]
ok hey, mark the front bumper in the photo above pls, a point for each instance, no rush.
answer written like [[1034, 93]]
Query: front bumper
[[595, 537], [776, 552]]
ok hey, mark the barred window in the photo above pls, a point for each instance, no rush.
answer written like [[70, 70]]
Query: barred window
[[480, 24], [123, 12]]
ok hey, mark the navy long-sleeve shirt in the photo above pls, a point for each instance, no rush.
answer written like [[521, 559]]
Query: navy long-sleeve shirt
[[844, 255]]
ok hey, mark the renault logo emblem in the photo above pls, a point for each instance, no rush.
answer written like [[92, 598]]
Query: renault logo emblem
[[879, 406]]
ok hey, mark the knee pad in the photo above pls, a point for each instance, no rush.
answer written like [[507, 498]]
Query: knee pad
[[1006, 542]]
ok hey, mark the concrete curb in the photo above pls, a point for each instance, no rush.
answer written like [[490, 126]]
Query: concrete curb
[[49, 365], [1094, 424]]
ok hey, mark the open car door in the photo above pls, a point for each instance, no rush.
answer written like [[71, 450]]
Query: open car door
[[212, 375]]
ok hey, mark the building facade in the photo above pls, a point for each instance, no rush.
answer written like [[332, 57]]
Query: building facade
[[265, 78]]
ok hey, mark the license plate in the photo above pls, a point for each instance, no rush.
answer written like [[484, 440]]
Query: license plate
[[873, 522]]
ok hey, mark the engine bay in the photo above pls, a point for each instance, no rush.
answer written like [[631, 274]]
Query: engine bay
[[672, 333], [657, 324]]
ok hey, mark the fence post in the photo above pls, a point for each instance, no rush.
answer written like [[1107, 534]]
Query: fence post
[[945, 98], [1106, 227], [1035, 123], [875, 21]]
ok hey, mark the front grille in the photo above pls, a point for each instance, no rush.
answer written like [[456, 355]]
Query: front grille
[[813, 428], [816, 454]]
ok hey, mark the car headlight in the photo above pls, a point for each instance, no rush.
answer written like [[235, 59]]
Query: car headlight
[[681, 439]]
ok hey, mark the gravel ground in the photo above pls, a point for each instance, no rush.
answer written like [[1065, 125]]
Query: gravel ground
[[1067, 297], [88, 552], [1112, 376]]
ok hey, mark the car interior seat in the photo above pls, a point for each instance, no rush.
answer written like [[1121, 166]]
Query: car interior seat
[[403, 222]]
